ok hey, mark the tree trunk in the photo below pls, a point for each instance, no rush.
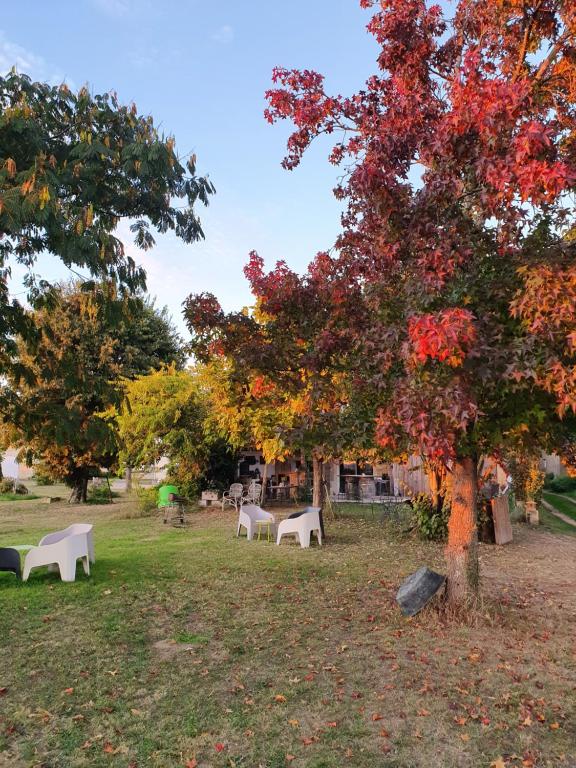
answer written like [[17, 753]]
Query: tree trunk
[[80, 490], [318, 488], [436, 475], [264, 479], [317, 478], [128, 479], [462, 549]]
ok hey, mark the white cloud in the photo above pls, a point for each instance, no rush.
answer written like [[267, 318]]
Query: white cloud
[[26, 62], [224, 35], [14, 55]]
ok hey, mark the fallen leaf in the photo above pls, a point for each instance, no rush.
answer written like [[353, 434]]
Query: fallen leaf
[[68, 691], [554, 726], [219, 747], [377, 716], [423, 712], [333, 724], [465, 736], [136, 712], [109, 749], [3, 691], [289, 758], [384, 733], [192, 763], [460, 720], [307, 741], [280, 698], [498, 763], [294, 723]]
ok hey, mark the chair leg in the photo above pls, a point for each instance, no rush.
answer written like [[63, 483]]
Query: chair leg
[[319, 537], [304, 539], [86, 564], [26, 572], [67, 570]]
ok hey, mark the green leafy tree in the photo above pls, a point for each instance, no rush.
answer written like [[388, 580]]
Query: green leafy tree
[[64, 384], [165, 414], [72, 167]]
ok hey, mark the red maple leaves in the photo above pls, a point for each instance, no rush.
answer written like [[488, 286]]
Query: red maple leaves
[[446, 336]]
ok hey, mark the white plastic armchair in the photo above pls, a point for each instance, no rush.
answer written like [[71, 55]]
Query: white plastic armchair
[[72, 530], [303, 526], [64, 553], [233, 496], [249, 516]]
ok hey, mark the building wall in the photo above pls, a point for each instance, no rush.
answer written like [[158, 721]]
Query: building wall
[[11, 468]]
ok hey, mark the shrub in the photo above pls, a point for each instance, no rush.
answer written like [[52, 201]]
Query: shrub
[[42, 474], [561, 484], [100, 494], [147, 500], [431, 524], [534, 483], [7, 485]]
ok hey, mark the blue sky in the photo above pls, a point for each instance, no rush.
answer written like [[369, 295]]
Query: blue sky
[[201, 69]]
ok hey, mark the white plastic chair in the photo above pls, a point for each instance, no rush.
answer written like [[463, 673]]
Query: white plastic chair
[[64, 553], [72, 530], [248, 517], [233, 496], [303, 526]]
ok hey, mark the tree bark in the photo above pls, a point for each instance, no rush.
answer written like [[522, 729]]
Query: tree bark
[[317, 478], [264, 479], [128, 479], [318, 488], [80, 490], [463, 569]]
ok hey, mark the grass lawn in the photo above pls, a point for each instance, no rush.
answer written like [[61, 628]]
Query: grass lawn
[[565, 506], [17, 497], [189, 647]]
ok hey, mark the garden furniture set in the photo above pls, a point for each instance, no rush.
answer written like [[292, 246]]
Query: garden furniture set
[[302, 524], [61, 550]]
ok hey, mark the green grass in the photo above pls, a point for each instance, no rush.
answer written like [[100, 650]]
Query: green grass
[[18, 497], [555, 524], [182, 640], [562, 505]]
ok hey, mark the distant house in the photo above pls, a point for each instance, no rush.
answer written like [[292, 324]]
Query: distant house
[[343, 479], [355, 479], [11, 468]]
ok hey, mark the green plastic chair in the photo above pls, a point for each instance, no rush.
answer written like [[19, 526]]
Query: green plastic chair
[[164, 493]]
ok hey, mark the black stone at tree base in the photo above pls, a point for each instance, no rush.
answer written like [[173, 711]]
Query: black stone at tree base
[[418, 589]]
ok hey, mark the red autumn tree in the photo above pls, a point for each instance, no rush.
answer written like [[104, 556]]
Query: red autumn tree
[[459, 159], [288, 362]]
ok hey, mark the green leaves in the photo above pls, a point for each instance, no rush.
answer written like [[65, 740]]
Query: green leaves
[[71, 167]]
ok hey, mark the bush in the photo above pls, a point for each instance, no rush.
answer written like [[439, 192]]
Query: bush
[[431, 525], [42, 474], [147, 500], [561, 484], [7, 485], [100, 494]]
